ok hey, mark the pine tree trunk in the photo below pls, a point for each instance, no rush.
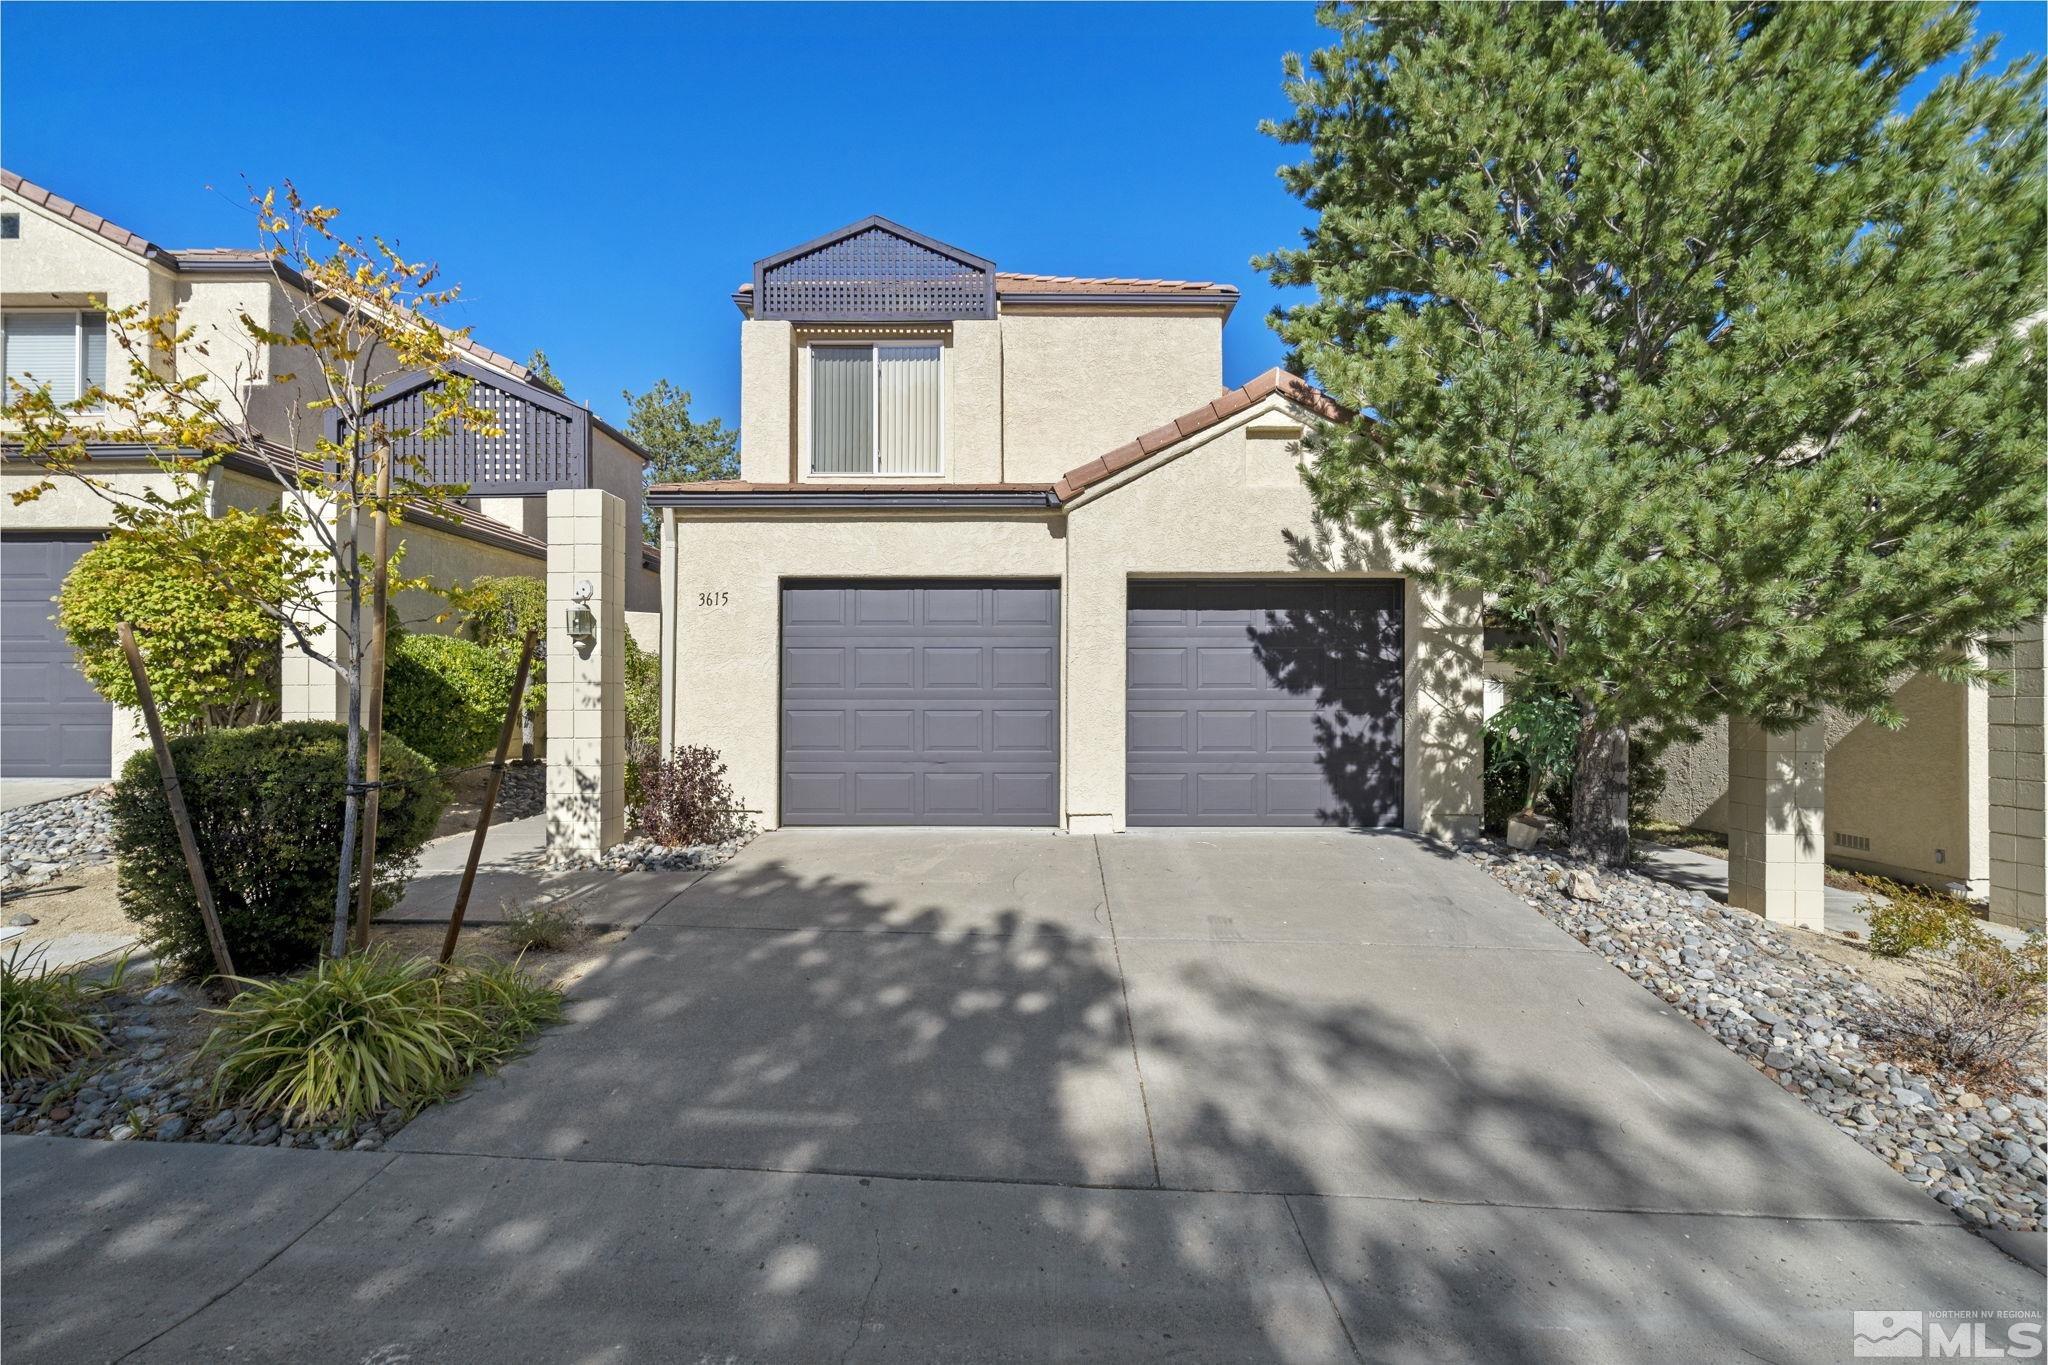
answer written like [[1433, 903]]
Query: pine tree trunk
[[1600, 793]]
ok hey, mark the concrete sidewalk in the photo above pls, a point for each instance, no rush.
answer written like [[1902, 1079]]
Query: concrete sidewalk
[[1846, 912], [197, 1253]]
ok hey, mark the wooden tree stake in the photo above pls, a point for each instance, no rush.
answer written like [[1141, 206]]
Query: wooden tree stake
[[175, 798], [373, 699], [483, 822]]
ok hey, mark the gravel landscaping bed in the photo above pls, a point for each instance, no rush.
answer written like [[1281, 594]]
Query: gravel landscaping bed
[[1794, 1015], [143, 1085], [644, 855], [38, 842]]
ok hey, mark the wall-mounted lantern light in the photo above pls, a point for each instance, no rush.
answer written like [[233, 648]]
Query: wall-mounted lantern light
[[582, 621]]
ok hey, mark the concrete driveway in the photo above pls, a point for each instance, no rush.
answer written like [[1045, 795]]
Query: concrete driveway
[[1018, 1096]]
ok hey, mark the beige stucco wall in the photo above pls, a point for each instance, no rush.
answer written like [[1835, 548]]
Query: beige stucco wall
[[1234, 505], [727, 670], [1917, 793], [767, 401], [1078, 385], [57, 262], [1028, 395]]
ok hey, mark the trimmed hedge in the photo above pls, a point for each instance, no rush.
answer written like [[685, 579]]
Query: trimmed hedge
[[266, 808], [446, 696]]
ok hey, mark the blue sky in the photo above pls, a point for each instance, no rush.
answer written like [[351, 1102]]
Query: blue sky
[[599, 177]]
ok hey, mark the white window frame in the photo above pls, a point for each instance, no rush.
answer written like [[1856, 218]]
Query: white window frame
[[78, 317], [816, 344]]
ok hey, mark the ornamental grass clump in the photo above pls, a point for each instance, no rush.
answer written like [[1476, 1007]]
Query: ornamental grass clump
[[43, 1016], [371, 1032]]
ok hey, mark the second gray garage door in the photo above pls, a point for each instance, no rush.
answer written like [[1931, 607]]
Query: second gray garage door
[[52, 723], [1264, 703], [920, 702]]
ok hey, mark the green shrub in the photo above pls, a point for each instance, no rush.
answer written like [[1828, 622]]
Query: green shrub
[[42, 1016], [1530, 741], [446, 696], [643, 695], [191, 588], [1914, 917], [368, 1032], [266, 808], [497, 612], [542, 926]]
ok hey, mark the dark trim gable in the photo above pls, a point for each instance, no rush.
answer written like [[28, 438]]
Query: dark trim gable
[[895, 275]]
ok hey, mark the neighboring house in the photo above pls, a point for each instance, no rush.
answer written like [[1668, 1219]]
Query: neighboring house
[[61, 268], [1007, 551]]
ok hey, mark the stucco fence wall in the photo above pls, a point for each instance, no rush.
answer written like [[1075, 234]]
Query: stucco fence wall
[[1232, 506], [1918, 794]]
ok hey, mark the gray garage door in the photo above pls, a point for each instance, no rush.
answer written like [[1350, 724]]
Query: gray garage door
[[52, 724], [1264, 703], [927, 702]]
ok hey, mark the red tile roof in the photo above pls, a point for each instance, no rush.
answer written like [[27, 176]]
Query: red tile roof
[[1077, 480], [91, 222], [202, 256], [1289, 386], [1012, 285]]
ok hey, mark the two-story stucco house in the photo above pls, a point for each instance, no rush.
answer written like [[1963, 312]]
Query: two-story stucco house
[[1007, 550], [62, 267]]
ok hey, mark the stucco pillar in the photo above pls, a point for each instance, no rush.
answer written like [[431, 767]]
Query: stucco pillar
[[1776, 853], [1443, 711], [309, 689], [586, 758], [2019, 803], [667, 608], [768, 389]]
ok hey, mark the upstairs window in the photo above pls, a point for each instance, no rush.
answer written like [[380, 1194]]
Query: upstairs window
[[67, 351], [875, 409]]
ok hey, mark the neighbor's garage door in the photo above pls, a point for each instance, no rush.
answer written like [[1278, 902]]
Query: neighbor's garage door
[[927, 702], [52, 724], [1264, 703]]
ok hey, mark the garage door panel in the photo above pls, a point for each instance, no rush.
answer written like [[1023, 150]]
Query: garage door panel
[[52, 722], [1269, 702], [949, 702], [1018, 733], [1157, 794], [954, 732], [953, 666]]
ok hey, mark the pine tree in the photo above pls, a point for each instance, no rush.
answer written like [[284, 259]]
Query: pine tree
[[1717, 371], [685, 449]]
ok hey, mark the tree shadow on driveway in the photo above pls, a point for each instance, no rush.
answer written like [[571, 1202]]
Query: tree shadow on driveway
[[855, 1121]]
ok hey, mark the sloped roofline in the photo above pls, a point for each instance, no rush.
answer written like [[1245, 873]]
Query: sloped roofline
[[874, 220], [741, 494]]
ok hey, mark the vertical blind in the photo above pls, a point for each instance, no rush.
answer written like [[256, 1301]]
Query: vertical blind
[[875, 409], [67, 351]]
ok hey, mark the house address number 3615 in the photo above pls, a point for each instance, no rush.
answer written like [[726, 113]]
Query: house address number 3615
[[714, 599]]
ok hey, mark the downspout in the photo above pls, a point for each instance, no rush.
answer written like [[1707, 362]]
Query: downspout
[[671, 666]]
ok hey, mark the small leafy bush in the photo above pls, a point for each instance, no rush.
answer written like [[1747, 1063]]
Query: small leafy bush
[[369, 1032], [446, 696], [191, 587], [1913, 917], [266, 808], [542, 926], [43, 1016], [496, 613], [1530, 741], [643, 695], [683, 798], [1977, 1019]]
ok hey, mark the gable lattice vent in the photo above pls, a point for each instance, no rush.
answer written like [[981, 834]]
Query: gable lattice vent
[[874, 272]]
